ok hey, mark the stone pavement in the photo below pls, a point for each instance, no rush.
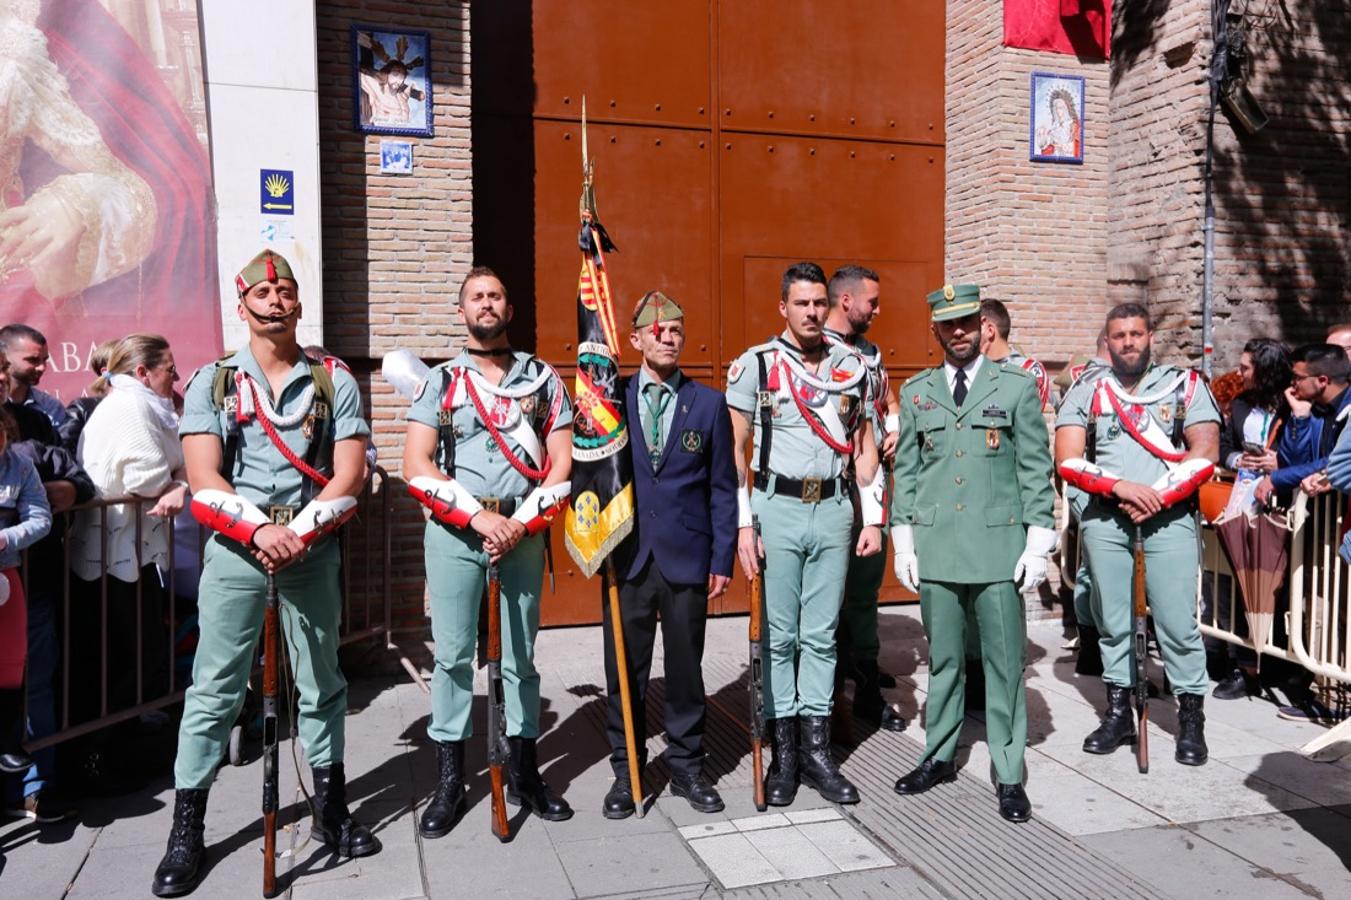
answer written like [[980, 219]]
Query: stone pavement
[[1258, 821]]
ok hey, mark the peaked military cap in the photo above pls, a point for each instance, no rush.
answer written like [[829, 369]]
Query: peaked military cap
[[953, 301]]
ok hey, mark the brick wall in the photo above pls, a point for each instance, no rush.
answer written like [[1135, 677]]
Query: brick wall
[[1033, 235], [395, 246], [1282, 241]]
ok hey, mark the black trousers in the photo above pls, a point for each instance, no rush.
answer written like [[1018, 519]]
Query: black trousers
[[684, 612]]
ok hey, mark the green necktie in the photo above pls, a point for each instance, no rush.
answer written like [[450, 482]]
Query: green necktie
[[655, 439]]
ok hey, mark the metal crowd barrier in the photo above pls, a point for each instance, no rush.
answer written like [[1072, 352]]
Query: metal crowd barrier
[[1317, 626], [366, 599]]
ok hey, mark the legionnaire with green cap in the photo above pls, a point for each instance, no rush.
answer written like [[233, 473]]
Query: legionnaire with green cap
[[275, 448], [972, 523], [805, 399], [855, 295], [1139, 441], [489, 452]]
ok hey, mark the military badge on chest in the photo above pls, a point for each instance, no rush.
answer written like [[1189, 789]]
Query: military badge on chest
[[992, 439], [813, 398], [317, 412], [503, 412]]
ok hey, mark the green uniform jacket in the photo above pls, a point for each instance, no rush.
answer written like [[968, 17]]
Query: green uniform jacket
[[971, 480]]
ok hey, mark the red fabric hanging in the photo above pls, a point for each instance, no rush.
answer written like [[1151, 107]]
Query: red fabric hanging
[[1080, 28]]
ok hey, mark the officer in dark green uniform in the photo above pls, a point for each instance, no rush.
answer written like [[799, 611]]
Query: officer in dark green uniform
[[972, 523]]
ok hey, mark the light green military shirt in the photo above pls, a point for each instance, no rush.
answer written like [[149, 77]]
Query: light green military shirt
[[1116, 451], [261, 474], [645, 408], [480, 466], [796, 451]]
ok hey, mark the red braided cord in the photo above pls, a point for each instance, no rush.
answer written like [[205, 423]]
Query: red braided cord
[[516, 463], [1129, 424], [317, 477], [812, 421]]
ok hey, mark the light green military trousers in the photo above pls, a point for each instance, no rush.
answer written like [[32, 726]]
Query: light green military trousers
[[1171, 559], [230, 602], [457, 575], [806, 560], [858, 614], [998, 611]]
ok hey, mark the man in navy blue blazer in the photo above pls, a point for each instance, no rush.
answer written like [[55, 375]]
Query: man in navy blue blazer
[[679, 555]]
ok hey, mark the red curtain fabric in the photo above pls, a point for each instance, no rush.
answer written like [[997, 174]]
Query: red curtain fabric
[[1080, 28]]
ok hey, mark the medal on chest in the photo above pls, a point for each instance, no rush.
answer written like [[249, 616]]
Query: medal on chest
[[503, 412], [992, 438], [811, 396]]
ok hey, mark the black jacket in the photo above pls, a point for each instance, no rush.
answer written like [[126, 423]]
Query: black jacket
[[77, 414]]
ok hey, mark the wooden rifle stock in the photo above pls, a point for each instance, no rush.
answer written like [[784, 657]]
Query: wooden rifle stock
[[1139, 650], [497, 738], [757, 684], [270, 792]]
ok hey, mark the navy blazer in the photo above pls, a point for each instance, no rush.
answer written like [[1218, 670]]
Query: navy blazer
[[685, 516]]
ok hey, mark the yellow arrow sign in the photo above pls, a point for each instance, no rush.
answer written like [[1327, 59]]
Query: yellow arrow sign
[[277, 206]]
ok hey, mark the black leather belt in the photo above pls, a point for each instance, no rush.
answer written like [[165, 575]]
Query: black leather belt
[[503, 506], [808, 490]]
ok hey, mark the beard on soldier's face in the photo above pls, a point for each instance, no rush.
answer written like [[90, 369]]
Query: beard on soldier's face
[[1129, 370], [960, 355], [488, 332]]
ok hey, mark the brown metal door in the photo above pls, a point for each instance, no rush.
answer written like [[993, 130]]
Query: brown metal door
[[731, 139]]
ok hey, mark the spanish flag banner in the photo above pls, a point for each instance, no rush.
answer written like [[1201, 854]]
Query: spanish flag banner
[[601, 512]]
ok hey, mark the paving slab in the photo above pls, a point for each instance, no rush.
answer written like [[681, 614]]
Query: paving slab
[[794, 854], [612, 865], [1309, 849], [877, 884], [734, 861]]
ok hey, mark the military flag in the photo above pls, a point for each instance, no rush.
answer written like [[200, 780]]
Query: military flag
[[601, 512]]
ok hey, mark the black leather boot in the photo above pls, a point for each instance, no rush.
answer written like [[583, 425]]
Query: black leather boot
[[447, 802], [526, 787], [1191, 730], [781, 779], [1117, 728], [13, 759], [178, 871], [333, 824], [1089, 660], [818, 766], [869, 704]]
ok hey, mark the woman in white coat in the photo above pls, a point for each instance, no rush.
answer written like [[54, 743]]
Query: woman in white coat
[[129, 447]]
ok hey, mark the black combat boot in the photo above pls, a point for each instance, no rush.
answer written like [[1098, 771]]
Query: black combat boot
[[526, 787], [447, 802], [178, 871], [818, 766], [333, 825], [1089, 660], [1117, 726], [781, 779], [1191, 730], [869, 704]]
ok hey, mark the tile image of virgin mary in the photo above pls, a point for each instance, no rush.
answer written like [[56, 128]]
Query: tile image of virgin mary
[[105, 189], [1061, 136]]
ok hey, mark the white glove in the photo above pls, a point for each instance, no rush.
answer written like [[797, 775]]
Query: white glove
[[1030, 572], [906, 562]]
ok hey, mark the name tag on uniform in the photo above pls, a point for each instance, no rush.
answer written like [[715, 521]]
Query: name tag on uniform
[[994, 412], [692, 441]]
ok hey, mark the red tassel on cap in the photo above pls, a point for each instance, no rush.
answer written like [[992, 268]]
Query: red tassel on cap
[[271, 269]]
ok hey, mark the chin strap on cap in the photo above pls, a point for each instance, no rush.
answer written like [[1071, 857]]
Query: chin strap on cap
[[448, 501], [1088, 477], [229, 514], [1182, 481], [540, 506], [321, 517]]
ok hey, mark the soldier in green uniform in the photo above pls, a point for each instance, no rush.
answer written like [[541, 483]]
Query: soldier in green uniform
[[805, 397], [275, 448], [972, 522], [1138, 442], [489, 452], [855, 294]]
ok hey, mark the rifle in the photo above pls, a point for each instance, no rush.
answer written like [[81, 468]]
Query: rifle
[[757, 680], [498, 749], [271, 626], [1139, 649]]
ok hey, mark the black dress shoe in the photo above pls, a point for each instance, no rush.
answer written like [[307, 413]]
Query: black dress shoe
[[929, 773], [1013, 802], [618, 800], [1239, 684], [701, 794]]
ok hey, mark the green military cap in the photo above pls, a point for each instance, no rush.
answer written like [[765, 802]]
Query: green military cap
[[953, 301], [655, 307], [266, 266]]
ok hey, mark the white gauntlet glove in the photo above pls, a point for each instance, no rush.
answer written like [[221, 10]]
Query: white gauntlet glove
[[906, 562], [1030, 572]]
